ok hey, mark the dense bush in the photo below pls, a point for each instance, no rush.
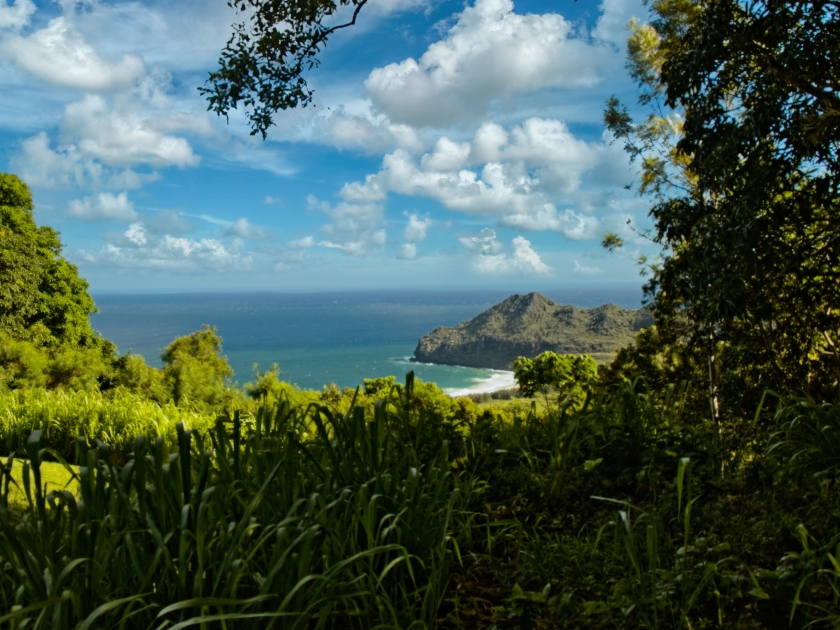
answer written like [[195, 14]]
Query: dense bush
[[46, 339], [42, 298]]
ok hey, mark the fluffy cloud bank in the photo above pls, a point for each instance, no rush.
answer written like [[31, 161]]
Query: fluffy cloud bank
[[356, 229], [103, 141], [490, 52], [515, 176], [125, 123], [104, 207], [15, 16], [138, 248], [58, 54], [415, 231]]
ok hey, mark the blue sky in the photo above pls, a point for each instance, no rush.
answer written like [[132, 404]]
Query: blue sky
[[449, 145]]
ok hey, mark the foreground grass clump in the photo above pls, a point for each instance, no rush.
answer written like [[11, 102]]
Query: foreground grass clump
[[633, 511], [302, 519], [62, 416]]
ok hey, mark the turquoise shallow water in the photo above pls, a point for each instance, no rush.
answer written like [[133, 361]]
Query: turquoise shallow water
[[316, 338]]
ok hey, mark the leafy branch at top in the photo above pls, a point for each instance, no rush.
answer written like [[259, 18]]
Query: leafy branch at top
[[653, 142], [263, 62], [664, 168]]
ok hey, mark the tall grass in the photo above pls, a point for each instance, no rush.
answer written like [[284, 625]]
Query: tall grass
[[61, 416], [613, 512], [807, 438], [609, 536], [307, 519]]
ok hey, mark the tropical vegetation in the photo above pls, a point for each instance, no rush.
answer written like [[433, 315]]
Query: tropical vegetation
[[691, 483]]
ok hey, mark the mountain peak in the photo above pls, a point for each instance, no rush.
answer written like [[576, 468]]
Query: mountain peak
[[526, 325]]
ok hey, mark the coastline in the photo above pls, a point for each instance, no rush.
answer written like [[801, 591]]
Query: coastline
[[498, 379]]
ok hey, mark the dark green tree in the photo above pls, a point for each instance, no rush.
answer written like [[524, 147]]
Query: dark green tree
[[194, 370], [46, 339], [749, 226], [42, 298], [571, 376], [758, 84]]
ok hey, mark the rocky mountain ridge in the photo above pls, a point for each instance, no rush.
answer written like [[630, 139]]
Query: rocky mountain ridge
[[526, 325]]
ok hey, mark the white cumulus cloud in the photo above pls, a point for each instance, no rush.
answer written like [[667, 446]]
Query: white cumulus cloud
[[356, 229], [612, 24], [41, 165], [58, 54], [490, 52], [123, 135], [365, 131], [415, 231], [103, 141], [488, 255], [526, 258], [104, 207], [15, 15], [137, 248], [518, 176]]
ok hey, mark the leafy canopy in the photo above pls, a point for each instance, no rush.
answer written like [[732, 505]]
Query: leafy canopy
[[570, 374], [42, 298], [46, 340], [194, 370], [739, 153]]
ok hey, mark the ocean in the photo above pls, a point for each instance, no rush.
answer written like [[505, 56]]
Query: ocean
[[321, 338]]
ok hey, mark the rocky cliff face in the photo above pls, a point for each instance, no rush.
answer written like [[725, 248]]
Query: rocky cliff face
[[526, 325]]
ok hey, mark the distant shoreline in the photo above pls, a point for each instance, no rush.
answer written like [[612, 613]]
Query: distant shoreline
[[498, 380]]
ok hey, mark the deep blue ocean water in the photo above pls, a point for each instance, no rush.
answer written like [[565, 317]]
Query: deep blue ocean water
[[317, 338]]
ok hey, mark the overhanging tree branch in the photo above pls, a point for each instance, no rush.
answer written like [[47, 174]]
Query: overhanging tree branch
[[263, 62]]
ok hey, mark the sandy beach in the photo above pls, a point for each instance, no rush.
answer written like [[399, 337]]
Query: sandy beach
[[499, 379]]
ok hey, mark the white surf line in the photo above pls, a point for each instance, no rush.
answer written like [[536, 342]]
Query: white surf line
[[498, 379]]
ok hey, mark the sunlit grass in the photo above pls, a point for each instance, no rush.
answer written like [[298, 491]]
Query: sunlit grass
[[54, 476], [62, 416]]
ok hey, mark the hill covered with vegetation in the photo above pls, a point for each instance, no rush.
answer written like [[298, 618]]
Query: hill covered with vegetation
[[527, 325]]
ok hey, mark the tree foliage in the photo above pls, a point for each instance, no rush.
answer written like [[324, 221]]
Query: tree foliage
[[46, 339], [42, 298], [194, 370], [571, 375], [759, 248], [740, 156], [263, 62]]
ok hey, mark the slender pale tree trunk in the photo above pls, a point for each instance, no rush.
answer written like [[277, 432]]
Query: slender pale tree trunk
[[714, 402]]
